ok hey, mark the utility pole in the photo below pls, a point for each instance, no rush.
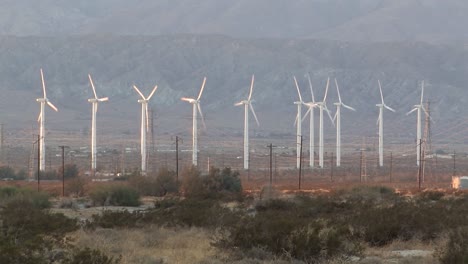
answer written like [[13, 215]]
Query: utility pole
[[177, 158], [63, 169], [300, 162], [271, 164]]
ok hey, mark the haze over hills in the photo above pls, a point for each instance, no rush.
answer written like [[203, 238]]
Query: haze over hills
[[178, 63], [175, 43], [346, 20]]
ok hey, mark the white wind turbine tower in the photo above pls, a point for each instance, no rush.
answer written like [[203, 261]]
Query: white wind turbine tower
[[41, 120], [311, 106], [94, 101], [298, 124], [323, 106], [381, 107], [247, 104], [338, 124], [196, 109], [144, 124], [418, 108]]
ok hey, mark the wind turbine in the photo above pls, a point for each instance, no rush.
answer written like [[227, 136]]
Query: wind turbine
[[311, 106], [298, 124], [418, 108], [247, 104], [381, 107], [196, 109], [43, 101], [144, 124], [338, 124], [94, 101], [323, 106]]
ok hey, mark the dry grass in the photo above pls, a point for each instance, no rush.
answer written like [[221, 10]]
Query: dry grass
[[151, 244]]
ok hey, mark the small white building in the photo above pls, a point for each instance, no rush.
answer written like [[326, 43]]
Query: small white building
[[460, 182]]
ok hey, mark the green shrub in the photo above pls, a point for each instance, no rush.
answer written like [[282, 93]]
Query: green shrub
[[160, 185], [287, 234], [431, 195], [75, 186], [38, 199], [217, 184], [456, 249], [115, 195], [27, 232], [91, 256]]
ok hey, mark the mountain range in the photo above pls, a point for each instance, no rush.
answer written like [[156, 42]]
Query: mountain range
[[174, 44]]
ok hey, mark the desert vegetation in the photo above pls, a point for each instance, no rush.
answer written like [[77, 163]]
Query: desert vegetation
[[210, 219]]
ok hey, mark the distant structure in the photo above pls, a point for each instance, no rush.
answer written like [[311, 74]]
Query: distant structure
[[94, 101], [323, 106], [311, 105], [43, 101], [419, 108], [381, 107], [337, 118], [196, 109], [298, 123], [247, 105], [144, 124]]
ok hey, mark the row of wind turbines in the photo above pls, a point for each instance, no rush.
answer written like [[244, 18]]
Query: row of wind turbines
[[322, 106], [247, 103]]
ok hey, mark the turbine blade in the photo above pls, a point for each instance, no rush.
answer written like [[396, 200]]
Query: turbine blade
[[381, 94], [138, 91], [298, 90], [326, 90], [422, 92], [43, 84], [334, 117], [201, 90], [308, 112], [389, 108], [297, 117], [349, 107], [378, 120], [411, 111], [201, 115], [39, 117], [430, 117], [152, 92], [92, 86], [329, 114], [187, 99], [255, 115], [238, 104], [251, 87], [104, 99], [52, 106], [311, 90], [338, 90]]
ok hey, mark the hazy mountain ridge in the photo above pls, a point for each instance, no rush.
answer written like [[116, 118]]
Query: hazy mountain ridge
[[346, 20], [178, 63]]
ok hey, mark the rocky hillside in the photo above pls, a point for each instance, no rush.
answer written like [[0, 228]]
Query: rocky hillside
[[178, 63]]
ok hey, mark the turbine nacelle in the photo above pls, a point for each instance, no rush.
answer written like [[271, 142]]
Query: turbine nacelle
[[189, 100]]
